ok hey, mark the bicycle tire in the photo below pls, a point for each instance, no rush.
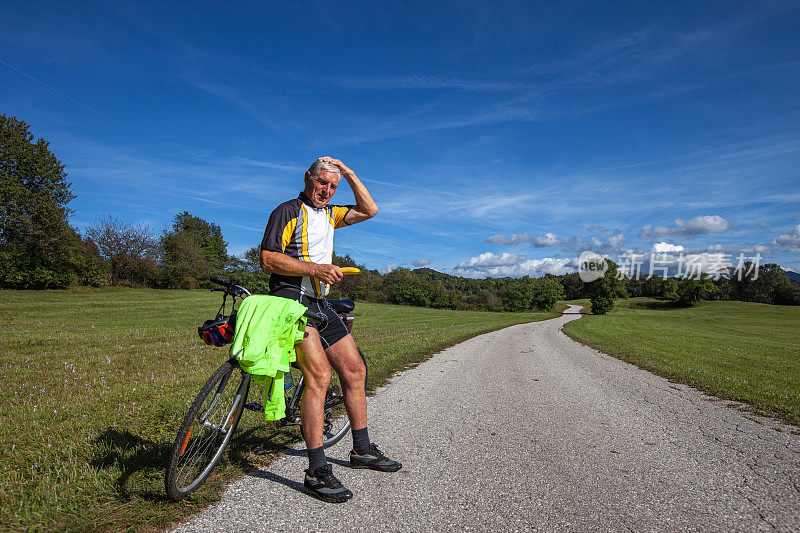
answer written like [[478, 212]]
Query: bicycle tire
[[206, 430]]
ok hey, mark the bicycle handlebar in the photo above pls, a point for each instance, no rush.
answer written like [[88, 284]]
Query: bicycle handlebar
[[221, 281]]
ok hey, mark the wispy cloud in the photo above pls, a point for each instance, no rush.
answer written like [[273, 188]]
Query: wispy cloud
[[404, 125], [68, 97], [263, 112], [426, 82], [269, 164]]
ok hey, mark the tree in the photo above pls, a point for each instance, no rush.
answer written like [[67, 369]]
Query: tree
[[545, 292], [766, 283], [130, 251], [775, 287], [348, 287], [691, 291], [602, 291], [573, 286], [516, 295], [405, 288], [38, 247], [192, 251], [248, 272], [94, 269]]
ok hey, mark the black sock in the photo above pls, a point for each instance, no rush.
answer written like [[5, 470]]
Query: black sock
[[361, 441], [316, 458]]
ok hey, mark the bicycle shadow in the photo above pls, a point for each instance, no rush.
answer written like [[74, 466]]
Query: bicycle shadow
[[132, 455], [138, 457]]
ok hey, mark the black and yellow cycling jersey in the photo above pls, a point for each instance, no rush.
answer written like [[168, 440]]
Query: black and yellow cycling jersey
[[300, 230]]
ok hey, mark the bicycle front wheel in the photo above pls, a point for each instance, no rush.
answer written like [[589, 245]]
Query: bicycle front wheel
[[207, 430]]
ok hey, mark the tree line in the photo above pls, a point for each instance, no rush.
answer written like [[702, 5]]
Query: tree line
[[766, 283]]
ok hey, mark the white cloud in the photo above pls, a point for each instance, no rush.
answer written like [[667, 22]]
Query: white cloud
[[510, 265], [612, 245], [489, 260], [790, 241], [763, 225], [734, 251], [691, 228], [548, 239], [516, 238], [617, 241], [597, 227], [388, 268], [543, 241], [421, 263], [665, 247]]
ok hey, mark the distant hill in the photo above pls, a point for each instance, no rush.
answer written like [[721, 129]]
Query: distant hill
[[793, 275]]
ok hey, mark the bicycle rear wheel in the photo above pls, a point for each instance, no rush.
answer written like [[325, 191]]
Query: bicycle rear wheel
[[207, 430]]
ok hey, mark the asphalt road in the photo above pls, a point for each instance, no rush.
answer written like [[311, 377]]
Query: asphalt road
[[525, 429]]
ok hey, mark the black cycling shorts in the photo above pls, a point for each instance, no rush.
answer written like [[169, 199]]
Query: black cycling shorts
[[332, 329]]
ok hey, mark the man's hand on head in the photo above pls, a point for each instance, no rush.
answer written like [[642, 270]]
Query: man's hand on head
[[333, 161], [328, 273], [365, 207]]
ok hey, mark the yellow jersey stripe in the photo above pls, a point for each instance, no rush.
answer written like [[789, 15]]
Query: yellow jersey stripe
[[304, 236], [288, 231]]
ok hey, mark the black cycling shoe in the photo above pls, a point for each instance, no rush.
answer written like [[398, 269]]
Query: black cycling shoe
[[324, 485], [374, 460]]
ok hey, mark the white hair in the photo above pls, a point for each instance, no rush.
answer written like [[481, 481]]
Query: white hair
[[320, 166]]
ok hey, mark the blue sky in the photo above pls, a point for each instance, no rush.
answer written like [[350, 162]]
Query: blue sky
[[498, 138]]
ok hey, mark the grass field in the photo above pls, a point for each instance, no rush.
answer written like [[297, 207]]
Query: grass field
[[746, 352], [95, 383]]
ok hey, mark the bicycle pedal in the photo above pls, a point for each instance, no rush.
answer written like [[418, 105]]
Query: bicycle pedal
[[254, 407]]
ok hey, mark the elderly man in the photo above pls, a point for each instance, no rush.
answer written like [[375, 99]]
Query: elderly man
[[297, 249]]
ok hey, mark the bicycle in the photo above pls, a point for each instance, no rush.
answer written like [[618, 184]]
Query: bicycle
[[216, 410]]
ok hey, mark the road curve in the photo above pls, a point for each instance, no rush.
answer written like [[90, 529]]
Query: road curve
[[524, 428]]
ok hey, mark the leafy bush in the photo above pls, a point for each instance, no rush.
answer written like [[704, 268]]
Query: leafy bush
[[130, 250], [670, 289], [601, 304], [691, 291]]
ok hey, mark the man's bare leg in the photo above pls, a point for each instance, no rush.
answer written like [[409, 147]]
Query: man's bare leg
[[352, 371], [317, 374], [343, 356], [319, 477]]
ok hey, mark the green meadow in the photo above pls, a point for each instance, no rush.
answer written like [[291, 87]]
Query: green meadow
[[746, 352], [96, 382]]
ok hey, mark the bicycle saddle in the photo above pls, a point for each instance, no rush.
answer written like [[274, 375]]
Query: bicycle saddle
[[345, 305]]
